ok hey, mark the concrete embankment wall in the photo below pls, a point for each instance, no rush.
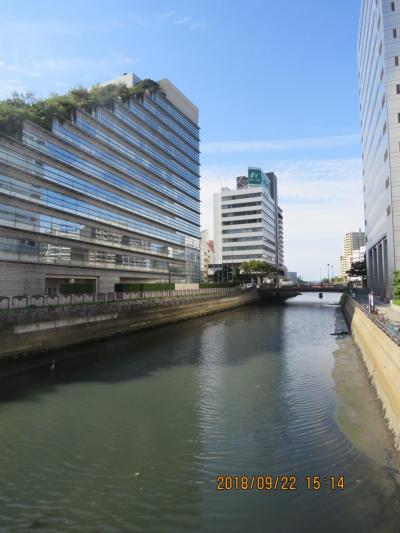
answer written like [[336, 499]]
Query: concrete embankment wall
[[28, 331], [381, 355]]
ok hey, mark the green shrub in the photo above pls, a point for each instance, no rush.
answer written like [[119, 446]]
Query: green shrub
[[20, 107], [77, 288], [143, 287], [396, 285]]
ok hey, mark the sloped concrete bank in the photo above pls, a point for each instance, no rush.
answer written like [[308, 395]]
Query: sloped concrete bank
[[38, 330], [381, 356]]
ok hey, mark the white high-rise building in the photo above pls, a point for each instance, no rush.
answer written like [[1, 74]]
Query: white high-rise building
[[353, 251], [217, 229], [379, 80], [248, 224]]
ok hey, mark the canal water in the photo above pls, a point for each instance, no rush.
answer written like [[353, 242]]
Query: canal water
[[132, 433]]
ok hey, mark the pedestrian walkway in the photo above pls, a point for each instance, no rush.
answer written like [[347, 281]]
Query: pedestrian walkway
[[384, 312], [389, 312]]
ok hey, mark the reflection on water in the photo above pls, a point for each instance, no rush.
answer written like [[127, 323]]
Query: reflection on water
[[131, 433]]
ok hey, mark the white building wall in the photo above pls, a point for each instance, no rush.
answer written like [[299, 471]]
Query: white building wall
[[217, 229], [242, 240], [379, 75]]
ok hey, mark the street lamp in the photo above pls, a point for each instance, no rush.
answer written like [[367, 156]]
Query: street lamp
[[332, 273], [328, 265]]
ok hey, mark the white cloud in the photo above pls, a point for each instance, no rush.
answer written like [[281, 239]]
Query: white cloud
[[182, 20], [7, 87], [61, 67], [188, 22], [71, 63], [285, 144], [168, 15]]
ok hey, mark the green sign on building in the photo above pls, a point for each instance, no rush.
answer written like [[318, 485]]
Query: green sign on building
[[255, 176]]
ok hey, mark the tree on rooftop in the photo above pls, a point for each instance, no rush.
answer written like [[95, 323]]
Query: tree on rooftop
[[25, 106]]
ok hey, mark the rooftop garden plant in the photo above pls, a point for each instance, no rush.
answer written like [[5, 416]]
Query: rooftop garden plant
[[25, 106]]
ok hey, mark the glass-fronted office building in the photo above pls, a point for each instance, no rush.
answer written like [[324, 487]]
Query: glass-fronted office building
[[379, 88], [110, 196]]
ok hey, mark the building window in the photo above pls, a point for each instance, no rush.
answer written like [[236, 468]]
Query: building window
[[388, 210], [394, 33], [398, 88], [398, 117], [396, 61], [393, 6], [380, 48], [387, 183], [382, 74], [383, 101], [384, 128], [379, 22], [385, 157]]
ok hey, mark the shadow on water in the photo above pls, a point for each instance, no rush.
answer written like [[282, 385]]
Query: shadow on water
[[134, 355]]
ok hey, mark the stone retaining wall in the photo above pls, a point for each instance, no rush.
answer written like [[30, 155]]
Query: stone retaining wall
[[382, 359], [36, 330]]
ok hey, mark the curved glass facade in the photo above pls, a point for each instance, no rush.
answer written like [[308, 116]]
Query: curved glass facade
[[117, 190]]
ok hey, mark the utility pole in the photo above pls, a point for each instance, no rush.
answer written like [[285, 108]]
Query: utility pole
[[328, 265]]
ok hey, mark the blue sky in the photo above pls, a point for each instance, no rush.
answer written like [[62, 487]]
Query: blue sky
[[276, 84]]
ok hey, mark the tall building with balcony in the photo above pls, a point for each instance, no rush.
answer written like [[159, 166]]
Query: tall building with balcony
[[109, 195], [248, 223], [379, 87]]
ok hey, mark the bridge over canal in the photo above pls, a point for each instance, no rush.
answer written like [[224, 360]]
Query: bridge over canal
[[267, 292]]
